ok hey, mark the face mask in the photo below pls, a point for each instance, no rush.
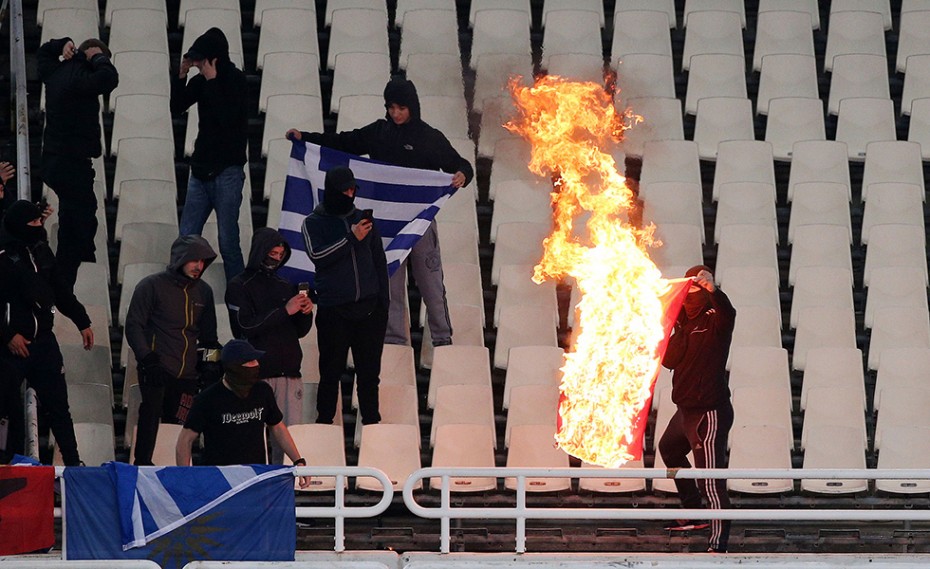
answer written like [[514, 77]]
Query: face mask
[[31, 234], [241, 379], [270, 264], [696, 302], [338, 203]]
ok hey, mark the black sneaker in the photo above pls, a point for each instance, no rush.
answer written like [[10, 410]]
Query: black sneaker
[[687, 525]]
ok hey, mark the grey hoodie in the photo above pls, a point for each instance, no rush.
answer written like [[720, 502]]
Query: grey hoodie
[[171, 314]]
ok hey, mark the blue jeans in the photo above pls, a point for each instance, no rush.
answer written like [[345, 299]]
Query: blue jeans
[[224, 194]]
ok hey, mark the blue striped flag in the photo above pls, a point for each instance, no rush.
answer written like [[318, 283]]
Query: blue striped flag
[[404, 200]]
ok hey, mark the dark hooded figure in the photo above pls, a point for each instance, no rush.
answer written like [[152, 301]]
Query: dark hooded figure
[[31, 288], [697, 355], [351, 283], [273, 316], [74, 79], [404, 139], [170, 316], [217, 176]]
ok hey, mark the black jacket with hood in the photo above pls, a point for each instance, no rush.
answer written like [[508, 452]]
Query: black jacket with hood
[[697, 354], [222, 106], [170, 313], [413, 144], [30, 288], [256, 300], [72, 107]]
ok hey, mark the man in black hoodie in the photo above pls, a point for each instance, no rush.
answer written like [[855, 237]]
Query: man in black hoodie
[[273, 316], [404, 139], [220, 93], [697, 353], [351, 284], [31, 288], [74, 79], [170, 315]]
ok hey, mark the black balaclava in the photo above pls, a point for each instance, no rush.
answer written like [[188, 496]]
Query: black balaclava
[[16, 222], [696, 302], [269, 263], [338, 180], [241, 378]]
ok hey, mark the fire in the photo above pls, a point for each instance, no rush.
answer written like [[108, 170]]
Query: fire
[[608, 372]]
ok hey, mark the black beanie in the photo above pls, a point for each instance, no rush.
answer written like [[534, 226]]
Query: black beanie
[[212, 43], [404, 93], [19, 215], [338, 180]]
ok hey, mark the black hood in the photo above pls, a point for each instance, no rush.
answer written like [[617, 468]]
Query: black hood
[[211, 44], [264, 240], [188, 248], [404, 93], [14, 225]]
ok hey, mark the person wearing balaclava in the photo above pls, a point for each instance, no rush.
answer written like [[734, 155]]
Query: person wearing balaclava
[[171, 317], [232, 415], [697, 355], [351, 284], [404, 139], [270, 312], [217, 176], [31, 289]]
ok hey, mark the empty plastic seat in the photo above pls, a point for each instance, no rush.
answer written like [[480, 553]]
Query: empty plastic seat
[[67, 333], [141, 116], [913, 40], [145, 242], [819, 245], [662, 120], [92, 286], [896, 287], [64, 20], [681, 245], [523, 326], [478, 5], [693, 6], [819, 202], [745, 246], [720, 119], [892, 202], [463, 446], [744, 161], [882, 7], [906, 447], [715, 75], [448, 114], [289, 74], [759, 366], [670, 161], [516, 288], [323, 445], [458, 365], [500, 31], [533, 448], [398, 405], [469, 331], [897, 327], [263, 5], [834, 367], [356, 111], [187, 5], [359, 73], [284, 111], [863, 121], [674, 202], [428, 31], [712, 31], [756, 406], [518, 201], [644, 75], [86, 366], [141, 73], [760, 446], [892, 161], [756, 326], [550, 6], [754, 286], [834, 406], [781, 33], [144, 159], [494, 70], [463, 405], [916, 81], [134, 272], [819, 161], [146, 200], [137, 29], [823, 327], [518, 244], [786, 75], [919, 125], [287, 30], [810, 7], [532, 365], [166, 443], [435, 74], [821, 286], [612, 485], [895, 245], [858, 75], [576, 66], [532, 405], [641, 31], [791, 120], [91, 403], [571, 31], [463, 286], [393, 449], [95, 442], [855, 32], [748, 203], [459, 242], [901, 407], [834, 446], [665, 6], [357, 29]]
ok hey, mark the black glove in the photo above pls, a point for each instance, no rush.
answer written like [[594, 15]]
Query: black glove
[[151, 373]]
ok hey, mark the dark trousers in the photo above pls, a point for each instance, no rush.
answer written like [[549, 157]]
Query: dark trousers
[[161, 403], [72, 179], [43, 372], [340, 328], [704, 434]]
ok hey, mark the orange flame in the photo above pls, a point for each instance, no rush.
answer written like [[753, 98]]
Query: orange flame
[[608, 372]]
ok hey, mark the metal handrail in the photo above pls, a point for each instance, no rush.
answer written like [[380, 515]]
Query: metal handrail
[[520, 512], [18, 68]]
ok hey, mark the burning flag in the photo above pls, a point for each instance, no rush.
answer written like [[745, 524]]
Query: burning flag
[[626, 309]]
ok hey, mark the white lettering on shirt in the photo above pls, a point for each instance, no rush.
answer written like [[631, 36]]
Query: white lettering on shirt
[[240, 418]]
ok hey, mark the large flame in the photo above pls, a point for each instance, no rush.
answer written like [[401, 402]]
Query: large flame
[[609, 371]]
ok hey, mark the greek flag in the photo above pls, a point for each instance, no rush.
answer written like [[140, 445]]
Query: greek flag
[[404, 200]]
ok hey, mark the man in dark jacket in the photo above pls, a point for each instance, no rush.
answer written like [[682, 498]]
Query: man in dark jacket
[[273, 316], [697, 353], [220, 93], [31, 288], [351, 284], [404, 139], [74, 79], [171, 313]]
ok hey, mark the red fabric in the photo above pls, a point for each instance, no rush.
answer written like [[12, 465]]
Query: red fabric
[[26, 508], [671, 304]]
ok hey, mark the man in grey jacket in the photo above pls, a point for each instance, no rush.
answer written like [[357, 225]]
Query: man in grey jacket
[[170, 315]]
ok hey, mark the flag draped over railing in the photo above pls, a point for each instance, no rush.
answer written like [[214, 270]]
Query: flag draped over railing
[[404, 200]]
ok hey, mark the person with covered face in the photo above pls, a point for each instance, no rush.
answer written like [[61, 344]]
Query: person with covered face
[[31, 289], [404, 139], [697, 355], [351, 283], [273, 316], [232, 415], [171, 315]]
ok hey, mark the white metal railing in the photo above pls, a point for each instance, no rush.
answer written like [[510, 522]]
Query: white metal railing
[[520, 512], [339, 511], [21, 115]]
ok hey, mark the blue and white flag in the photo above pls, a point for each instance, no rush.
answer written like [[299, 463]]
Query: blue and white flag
[[404, 200], [174, 515]]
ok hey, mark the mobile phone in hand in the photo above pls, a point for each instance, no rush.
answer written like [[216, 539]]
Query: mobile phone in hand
[[303, 289], [368, 214]]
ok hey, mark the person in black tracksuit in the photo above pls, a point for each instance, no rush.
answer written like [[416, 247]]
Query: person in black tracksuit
[[351, 283], [402, 138], [170, 315], [273, 316], [31, 288], [697, 355], [74, 79]]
